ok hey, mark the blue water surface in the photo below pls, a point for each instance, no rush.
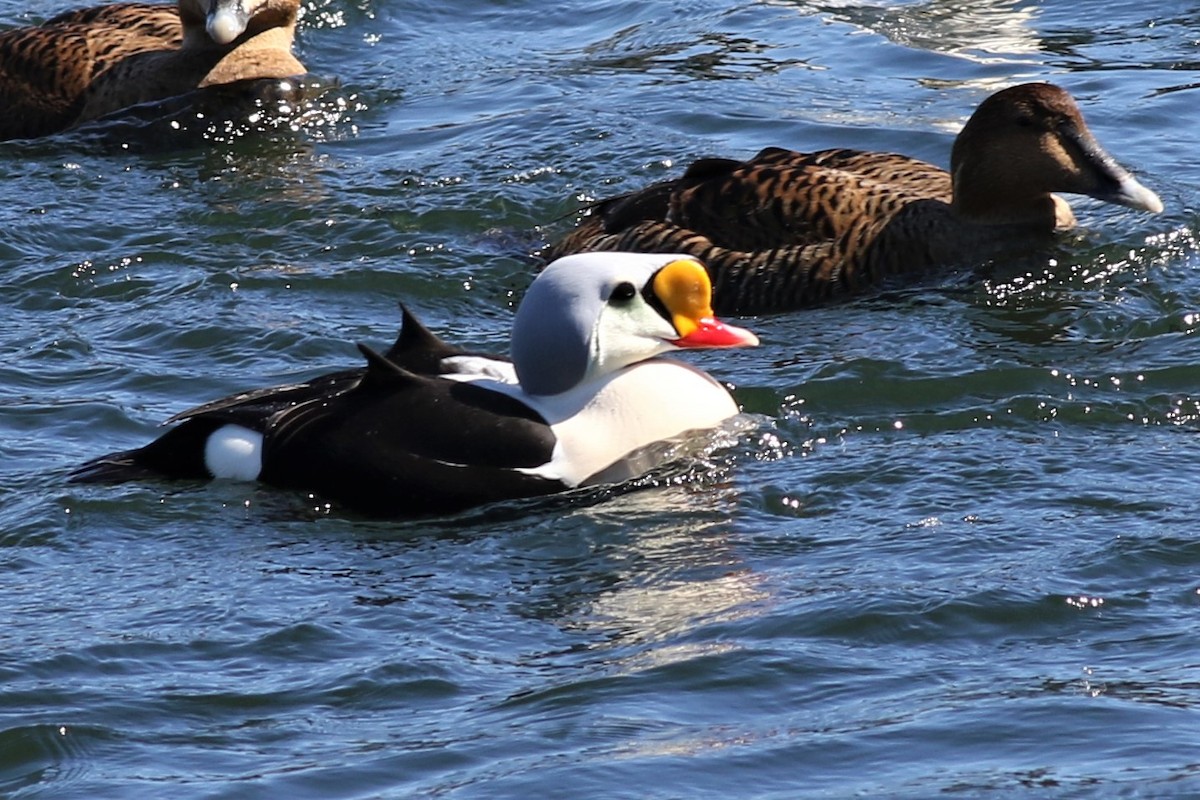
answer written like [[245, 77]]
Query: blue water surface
[[955, 552]]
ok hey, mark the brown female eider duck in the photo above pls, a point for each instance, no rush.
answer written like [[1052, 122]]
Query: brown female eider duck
[[85, 64], [786, 230], [427, 428]]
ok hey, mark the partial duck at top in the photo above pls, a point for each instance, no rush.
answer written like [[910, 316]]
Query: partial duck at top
[[84, 64], [785, 230], [588, 398]]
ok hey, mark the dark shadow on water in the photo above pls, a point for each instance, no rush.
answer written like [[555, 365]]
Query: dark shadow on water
[[284, 506], [216, 114], [694, 473]]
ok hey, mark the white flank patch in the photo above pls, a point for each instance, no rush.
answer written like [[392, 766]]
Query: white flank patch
[[234, 452]]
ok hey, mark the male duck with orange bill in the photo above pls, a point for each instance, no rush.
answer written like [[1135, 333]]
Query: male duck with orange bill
[[428, 428]]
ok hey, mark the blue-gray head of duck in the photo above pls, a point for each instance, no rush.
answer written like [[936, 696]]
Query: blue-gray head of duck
[[1025, 143], [588, 315], [226, 21]]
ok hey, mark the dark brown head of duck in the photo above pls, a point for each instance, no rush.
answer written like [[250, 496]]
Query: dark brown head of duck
[[1023, 144]]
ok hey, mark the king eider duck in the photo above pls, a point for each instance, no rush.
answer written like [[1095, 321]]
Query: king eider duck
[[427, 428], [85, 64], [786, 230]]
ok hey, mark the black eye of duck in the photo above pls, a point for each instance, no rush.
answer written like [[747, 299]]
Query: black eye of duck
[[623, 293]]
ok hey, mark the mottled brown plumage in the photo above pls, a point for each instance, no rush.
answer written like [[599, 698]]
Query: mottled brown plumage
[[786, 230], [84, 64]]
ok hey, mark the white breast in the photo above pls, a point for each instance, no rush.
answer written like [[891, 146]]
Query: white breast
[[600, 422]]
